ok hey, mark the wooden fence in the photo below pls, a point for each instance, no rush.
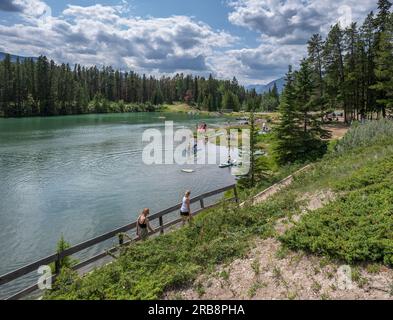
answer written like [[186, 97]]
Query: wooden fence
[[57, 257], [262, 196]]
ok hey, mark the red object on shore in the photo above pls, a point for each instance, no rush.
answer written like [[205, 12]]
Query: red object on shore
[[202, 128]]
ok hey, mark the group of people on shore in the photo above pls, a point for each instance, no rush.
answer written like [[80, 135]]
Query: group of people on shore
[[143, 226]]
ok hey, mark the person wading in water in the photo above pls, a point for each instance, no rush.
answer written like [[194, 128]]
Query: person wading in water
[[143, 225], [185, 210]]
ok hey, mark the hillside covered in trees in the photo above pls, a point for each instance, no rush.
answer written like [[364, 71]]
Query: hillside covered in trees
[[39, 87]]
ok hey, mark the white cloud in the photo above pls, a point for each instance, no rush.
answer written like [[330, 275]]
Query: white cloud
[[295, 19], [96, 12], [28, 8], [284, 27], [102, 35], [107, 35], [264, 63]]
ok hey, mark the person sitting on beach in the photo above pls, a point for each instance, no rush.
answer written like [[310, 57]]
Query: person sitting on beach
[[143, 225], [185, 210]]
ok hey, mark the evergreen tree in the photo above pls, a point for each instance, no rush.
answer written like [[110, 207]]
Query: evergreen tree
[[230, 101], [315, 51], [333, 61], [304, 92], [43, 85], [274, 94], [368, 64], [298, 135], [383, 56], [258, 165], [384, 68], [6, 85], [288, 131]]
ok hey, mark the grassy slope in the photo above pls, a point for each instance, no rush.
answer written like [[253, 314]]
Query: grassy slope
[[357, 226], [177, 107], [146, 270]]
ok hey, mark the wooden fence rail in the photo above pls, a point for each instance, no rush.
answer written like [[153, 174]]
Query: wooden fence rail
[[57, 257]]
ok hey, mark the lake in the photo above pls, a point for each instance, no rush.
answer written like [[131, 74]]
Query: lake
[[82, 176]]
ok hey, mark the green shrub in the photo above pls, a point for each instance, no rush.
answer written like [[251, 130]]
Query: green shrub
[[373, 132], [357, 226], [66, 262]]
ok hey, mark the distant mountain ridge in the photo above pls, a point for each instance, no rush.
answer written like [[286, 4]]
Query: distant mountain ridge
[[263, 88], [15, 57]]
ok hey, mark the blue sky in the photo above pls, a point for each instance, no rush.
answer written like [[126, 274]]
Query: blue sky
[[254, 40]]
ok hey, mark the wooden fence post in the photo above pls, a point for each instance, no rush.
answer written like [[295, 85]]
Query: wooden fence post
[[236, 195], [121, 239], [202, 204], [161, 225], [57, 264]]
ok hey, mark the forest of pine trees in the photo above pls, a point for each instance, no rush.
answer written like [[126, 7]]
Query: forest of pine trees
[[352, 70], [41, 88]]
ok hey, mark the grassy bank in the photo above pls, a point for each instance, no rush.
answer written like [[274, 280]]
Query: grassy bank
[[146, 270], [358, 225], [179, 108]]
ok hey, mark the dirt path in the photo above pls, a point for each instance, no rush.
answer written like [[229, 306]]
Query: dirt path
[[338, 131]]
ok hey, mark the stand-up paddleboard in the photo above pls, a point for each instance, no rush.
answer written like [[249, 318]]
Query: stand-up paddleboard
[[227, 164], [259, 153], [215, 135], [187, 170]]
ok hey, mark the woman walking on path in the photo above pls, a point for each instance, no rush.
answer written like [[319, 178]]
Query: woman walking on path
[[143, 225], [185, 210]]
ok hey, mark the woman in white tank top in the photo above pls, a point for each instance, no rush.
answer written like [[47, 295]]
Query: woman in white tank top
[[185, 210]]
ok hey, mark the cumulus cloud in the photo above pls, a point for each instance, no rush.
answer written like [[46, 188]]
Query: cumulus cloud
[[295, 20], [102, 35], [28, 8], [284, 27], [275, 18], [264, 63], [10, 6], [108, 35]]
